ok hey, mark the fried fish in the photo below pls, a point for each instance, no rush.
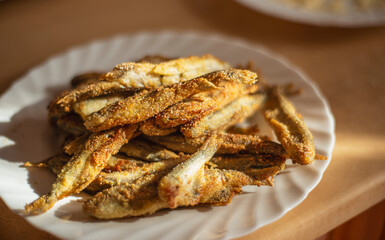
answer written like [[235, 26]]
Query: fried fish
[[289, 128], [83, 167]]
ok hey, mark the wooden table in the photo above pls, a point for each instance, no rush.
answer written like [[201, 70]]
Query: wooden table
[[347, 64]]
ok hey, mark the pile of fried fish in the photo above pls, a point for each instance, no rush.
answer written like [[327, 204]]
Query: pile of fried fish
[[164, 133]]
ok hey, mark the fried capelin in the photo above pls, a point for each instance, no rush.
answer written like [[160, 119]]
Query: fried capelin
[[178, 187], [85, 79], [249, 130], [120, 162], [115, 163], [129, 77], [70, 123], [57, 162], [75, 145], [242, 162], [141, 197], [289, 128], [148, 75], [151, 128], [155, 59], [64, 103], [88, 106], [134, 199], [131, 173], [142, 106], [147, 151], [229, 115], [231, 144], [202, 104], [239, 143], [83, 167]]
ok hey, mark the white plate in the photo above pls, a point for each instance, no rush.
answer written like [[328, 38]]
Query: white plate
[[349, 18], [26, 136]]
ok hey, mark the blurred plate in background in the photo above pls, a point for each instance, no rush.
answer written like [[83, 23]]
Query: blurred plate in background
[[347, 14]]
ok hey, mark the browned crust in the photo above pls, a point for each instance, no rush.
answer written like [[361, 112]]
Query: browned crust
[[231, 144], [63, 103], [71, 123], [146, 150], [242, 162], [145, 105], [202, 104], [75, 145], [150, 128], [223, 118], [85, 79], [289, 127]]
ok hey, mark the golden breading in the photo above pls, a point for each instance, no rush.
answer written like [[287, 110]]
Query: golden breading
[[150, 128], [225, 117], [290, 129], [179, 187], [231, 144], [183, 105], [142, 106], [202, 104]]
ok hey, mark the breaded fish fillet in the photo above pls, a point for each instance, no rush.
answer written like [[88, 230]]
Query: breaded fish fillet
[[83, 167]]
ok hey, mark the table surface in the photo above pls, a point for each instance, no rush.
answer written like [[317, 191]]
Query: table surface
[[347, 64]]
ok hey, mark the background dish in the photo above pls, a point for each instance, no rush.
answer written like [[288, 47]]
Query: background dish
[[350, 18], [26, 136]]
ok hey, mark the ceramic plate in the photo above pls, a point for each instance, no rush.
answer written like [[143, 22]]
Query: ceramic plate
[[26, 136], [349, 18]]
